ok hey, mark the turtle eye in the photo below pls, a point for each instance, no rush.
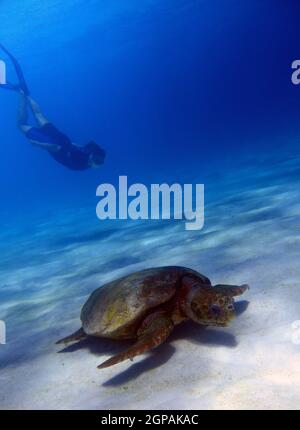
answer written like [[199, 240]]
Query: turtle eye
[[216, 310]]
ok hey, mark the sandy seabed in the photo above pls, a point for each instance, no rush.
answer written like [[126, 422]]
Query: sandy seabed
[[251, 235]]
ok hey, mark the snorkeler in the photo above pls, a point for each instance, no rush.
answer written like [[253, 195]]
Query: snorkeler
[[46, 135]]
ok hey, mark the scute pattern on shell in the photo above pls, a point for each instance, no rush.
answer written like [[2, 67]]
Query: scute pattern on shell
[[115, 309]]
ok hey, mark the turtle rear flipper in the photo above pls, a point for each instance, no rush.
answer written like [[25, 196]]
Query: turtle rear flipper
[[77, 335]]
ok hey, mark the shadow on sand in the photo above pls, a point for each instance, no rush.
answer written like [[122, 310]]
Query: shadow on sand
[[189, 330]]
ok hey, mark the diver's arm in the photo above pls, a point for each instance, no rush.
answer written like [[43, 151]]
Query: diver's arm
[[48, 146]]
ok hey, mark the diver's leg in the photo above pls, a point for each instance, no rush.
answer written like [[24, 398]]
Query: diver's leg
[[153, 332], [22, 121], [38, 114]]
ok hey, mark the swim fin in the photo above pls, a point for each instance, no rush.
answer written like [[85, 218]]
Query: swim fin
[[23, 84], [9, 86]]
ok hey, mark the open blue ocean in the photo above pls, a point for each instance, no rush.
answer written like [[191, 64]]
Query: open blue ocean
[[175, 91]]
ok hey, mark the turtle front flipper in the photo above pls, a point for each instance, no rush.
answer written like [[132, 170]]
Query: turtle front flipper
[[153, 332], [74, 337]]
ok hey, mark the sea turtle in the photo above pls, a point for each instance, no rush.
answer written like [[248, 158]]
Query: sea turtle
[[147, 305]]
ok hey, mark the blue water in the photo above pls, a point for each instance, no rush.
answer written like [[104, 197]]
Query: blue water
[[175, 91]]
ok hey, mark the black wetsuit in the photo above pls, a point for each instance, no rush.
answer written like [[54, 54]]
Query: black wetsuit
[[70, 155]]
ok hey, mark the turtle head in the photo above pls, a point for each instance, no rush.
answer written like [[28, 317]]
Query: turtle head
[[212, 306]]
